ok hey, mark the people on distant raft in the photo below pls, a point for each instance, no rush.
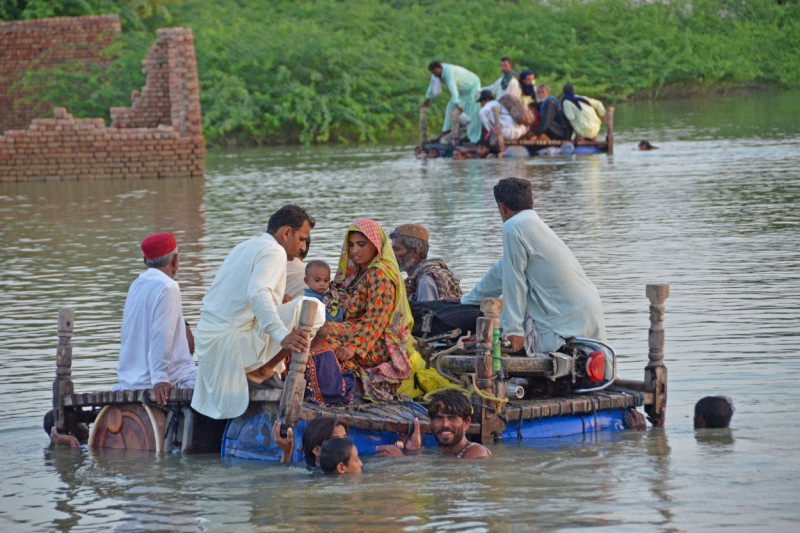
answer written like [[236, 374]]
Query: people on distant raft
[[373, 341], [505, 126], [553, 124], [547, 297], [507, 83], [583, 113], [295, 274], [154, 350], [428, 279], [464, 87], [527, 82], [713, 412], [245, 331]]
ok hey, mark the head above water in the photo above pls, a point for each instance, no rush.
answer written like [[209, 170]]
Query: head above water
[[317, 432], [450, 402], [713, 412], [512, 196], [291, 226], [339, 456]]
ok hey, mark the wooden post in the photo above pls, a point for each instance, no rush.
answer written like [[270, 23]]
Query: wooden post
[[655, 373], [423, 127], [487, 380], [501, 142], [610, 130], [63, 382], [455, 126], [294, 387]]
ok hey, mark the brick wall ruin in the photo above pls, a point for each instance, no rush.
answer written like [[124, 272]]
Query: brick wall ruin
[[160, 135], [44, 44]]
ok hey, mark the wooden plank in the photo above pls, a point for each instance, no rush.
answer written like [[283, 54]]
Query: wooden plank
[[512, 366]]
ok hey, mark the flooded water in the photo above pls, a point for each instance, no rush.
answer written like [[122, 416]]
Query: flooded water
[[714, 213]]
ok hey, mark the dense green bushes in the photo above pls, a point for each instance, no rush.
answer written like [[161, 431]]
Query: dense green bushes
[[327, 70]]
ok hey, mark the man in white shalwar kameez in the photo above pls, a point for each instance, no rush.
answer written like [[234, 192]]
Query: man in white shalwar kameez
[[547, 297], [464, 87], [154, 350], [509, 129], [245, 331]]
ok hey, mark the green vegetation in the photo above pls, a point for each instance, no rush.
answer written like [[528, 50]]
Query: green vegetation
[[330, 70]]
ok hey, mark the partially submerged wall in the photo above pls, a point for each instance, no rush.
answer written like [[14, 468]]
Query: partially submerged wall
[[160, 135]]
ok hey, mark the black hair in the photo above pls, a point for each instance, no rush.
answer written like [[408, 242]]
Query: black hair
[[335, 452], [316, 433], [568, 89], [316, 263], [290, 215], [716, 411], [434, 64], [514, 193], [506, 58], [450, 402]]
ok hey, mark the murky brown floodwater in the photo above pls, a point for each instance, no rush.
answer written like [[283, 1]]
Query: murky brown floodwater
[[714, 213]]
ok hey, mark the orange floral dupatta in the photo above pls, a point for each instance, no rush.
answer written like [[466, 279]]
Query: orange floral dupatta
[[397, 335]]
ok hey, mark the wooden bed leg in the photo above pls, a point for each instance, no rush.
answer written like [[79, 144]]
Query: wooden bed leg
[[294, 387], [655, 373], [455, 127], [423, 127], [501, 142], [487, 378], [610, 130], [64, 423]]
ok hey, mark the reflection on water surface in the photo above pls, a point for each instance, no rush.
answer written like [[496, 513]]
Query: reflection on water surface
[[713, 213]]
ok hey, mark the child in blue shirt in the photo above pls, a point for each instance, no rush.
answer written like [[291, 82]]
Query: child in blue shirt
[[318, 280]]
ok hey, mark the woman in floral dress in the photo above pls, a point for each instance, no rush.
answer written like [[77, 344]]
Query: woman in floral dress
[[373, 340]]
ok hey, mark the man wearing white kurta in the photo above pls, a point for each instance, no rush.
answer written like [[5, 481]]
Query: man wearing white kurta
[[154, 351], [508, 83], [547, 298], [509, 129], [245, 331]]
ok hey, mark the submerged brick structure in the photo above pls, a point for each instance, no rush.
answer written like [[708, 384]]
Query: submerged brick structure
[[160, 135]]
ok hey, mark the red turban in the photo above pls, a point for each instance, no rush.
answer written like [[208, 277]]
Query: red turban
[[159, 245]]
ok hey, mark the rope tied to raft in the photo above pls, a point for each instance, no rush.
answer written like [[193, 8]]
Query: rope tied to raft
[[500, 401]]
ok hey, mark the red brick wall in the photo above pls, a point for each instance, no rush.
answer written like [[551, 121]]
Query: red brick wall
[[43, 44], [159, 136]]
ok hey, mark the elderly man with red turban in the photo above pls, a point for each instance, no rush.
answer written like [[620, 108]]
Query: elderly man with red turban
[[154, 349]]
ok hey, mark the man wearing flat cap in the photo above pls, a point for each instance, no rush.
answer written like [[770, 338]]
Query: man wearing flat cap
[[154, 349], [428, 279]]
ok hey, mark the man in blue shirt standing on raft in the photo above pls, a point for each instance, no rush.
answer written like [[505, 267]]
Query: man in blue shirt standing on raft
[[547, 297]]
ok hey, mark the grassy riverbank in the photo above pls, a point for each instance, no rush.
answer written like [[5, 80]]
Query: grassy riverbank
[[331, 71]]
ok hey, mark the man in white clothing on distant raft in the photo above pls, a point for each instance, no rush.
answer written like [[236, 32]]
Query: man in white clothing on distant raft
[[154, 348], [245, 331]]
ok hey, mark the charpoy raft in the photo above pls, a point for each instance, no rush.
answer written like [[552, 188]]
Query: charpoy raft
[[529, 146], [575, 391]]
